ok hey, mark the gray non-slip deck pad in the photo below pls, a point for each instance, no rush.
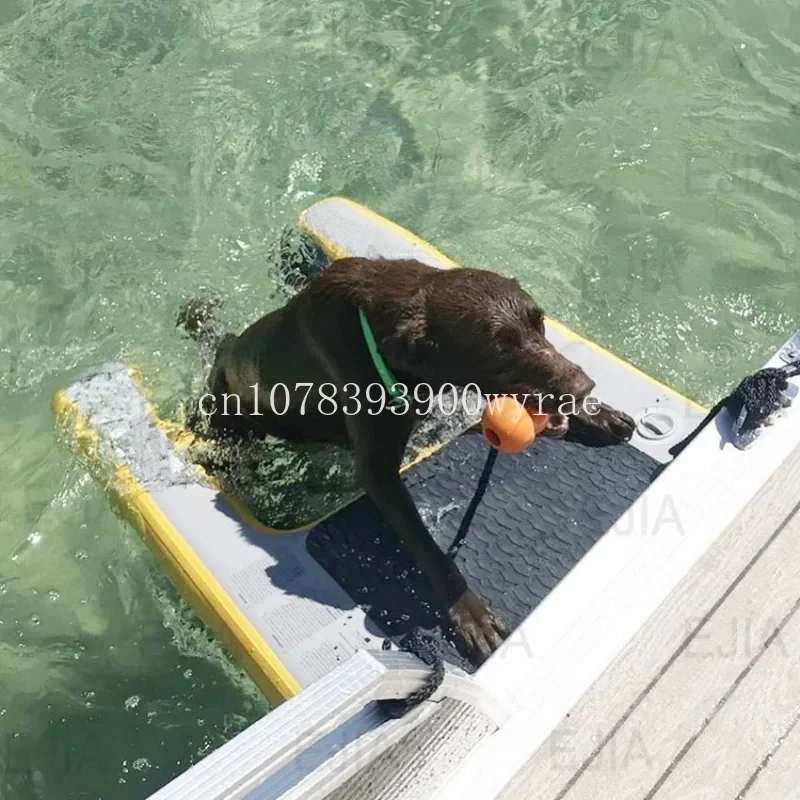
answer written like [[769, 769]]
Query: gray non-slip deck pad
[[526, 520]]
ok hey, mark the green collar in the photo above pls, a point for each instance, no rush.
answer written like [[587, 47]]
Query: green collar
[[393, 388]]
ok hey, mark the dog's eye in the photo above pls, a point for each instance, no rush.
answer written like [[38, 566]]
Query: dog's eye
[[508, 336]]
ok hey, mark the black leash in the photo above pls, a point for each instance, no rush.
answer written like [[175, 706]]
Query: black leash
[[758, 394], [480, 490], [427, 645]]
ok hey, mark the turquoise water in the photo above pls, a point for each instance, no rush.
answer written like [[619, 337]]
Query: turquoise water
[[635, 164]]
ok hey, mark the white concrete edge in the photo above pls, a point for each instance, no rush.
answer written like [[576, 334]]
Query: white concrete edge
[[565, 645], [281, 736], [345, 763], [284, 736]]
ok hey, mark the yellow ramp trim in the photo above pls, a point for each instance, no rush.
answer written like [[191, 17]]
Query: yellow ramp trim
[[332, 250], [187, 570]]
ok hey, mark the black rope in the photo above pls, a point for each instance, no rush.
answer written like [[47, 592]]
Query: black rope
[[758, 393], [427, 649]]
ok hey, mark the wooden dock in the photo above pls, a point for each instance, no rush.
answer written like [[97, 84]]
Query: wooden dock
[[705, 700]]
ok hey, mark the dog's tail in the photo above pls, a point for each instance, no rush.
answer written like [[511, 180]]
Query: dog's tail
[[197, 318]]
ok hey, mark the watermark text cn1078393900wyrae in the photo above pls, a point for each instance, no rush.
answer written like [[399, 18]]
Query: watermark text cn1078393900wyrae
[[326, 399]]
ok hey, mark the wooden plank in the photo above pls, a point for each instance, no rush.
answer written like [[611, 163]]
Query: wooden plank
[[575, 745], [763, 706], [779, 775], [669, 717]]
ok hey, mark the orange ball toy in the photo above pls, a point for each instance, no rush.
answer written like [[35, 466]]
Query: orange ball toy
[[509, 426]]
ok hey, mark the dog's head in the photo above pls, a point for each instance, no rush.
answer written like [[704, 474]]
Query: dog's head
[[470, 326]]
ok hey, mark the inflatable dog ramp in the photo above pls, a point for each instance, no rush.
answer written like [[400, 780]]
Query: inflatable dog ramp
[[296, 606]]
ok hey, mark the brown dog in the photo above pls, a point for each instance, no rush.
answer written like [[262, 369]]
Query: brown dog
[[433, 327]]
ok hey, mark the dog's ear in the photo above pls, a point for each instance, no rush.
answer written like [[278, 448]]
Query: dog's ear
[[409, 345], [408, 348]]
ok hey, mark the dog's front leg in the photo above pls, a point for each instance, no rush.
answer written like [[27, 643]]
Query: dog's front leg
[[379, 443]]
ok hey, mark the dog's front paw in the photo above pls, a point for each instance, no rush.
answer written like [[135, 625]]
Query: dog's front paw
[[479, 628], [605, 426], [616, 426]]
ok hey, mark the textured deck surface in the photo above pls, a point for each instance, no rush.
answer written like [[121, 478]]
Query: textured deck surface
[[526, 520]]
